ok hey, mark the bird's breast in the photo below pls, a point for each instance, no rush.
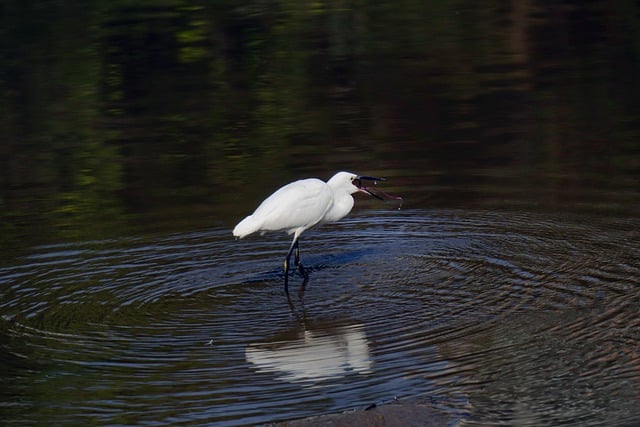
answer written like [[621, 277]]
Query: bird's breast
[[340, 207]]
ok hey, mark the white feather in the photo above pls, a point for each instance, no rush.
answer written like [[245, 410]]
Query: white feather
[[300, 205]]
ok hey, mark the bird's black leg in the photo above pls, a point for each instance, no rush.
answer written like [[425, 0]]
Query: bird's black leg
[[298, 263], [294, 245]]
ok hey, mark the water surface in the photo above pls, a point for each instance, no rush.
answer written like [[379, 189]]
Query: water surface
[[491, 316]]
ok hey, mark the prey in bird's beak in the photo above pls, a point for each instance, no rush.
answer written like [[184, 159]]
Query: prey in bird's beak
[[358, 183]]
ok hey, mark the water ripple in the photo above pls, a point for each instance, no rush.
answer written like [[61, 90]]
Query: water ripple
[[498, 318]]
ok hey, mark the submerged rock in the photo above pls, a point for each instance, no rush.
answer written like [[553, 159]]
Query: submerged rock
[[391, 415]]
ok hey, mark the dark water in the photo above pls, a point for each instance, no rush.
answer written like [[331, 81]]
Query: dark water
[[494, 317], [505, 292]]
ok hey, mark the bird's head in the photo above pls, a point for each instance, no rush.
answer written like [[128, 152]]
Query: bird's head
[[352, 183]]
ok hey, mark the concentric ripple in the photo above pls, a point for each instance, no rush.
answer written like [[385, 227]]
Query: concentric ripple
[[493, 318]]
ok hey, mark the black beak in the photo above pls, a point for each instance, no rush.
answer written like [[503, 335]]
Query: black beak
[[358, 183], [370, 178]]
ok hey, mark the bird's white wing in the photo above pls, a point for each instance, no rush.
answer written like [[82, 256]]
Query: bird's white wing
[[299, 204]]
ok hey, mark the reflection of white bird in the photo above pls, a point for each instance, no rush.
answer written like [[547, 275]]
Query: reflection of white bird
[[315, 356], [302, 204]]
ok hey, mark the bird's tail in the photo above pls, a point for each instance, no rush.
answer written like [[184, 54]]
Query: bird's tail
[[245, 227]]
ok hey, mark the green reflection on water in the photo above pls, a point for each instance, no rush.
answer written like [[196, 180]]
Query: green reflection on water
[[120, 116]]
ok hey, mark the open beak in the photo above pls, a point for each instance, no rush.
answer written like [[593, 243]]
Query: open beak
[[358, 183]]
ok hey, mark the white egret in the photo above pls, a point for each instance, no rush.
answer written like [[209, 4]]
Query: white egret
[[302, 204]]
